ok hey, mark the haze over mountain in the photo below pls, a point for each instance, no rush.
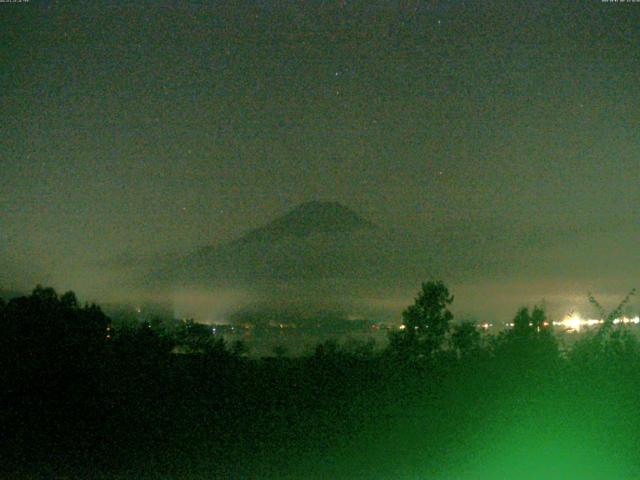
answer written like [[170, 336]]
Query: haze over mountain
[[323, 257], [314, 241], [317, 256]]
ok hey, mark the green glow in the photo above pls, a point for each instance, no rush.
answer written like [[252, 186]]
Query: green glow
[[580, 435]]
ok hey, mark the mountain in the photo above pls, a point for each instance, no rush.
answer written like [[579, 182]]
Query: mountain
[[310, 218], [313, 241], [320, 258]]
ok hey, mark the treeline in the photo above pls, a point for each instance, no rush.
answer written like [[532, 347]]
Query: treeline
[[87, 399]]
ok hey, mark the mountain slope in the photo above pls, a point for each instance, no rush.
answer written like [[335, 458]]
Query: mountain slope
[[315, 240], [307, 219]]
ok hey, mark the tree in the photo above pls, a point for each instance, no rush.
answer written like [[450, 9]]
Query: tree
[[426, 323], [69, 300], [530, 344], [48, 336], [534, 323], [466, 338], [539, 322], [141, 342], [239, 349]]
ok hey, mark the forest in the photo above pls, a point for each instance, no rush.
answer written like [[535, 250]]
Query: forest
[[84, 398]]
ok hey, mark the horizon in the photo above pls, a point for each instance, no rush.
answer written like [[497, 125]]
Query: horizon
[[217, 303], [498, 138]]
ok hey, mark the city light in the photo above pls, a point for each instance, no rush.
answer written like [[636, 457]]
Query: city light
[[574, 322]]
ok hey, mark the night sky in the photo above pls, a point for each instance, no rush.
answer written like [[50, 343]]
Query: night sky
[[132, 130]]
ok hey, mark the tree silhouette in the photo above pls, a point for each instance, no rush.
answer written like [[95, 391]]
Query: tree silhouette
[[49, 340], [44, 325], [530, 344], [527, 323], [141, 342], [466, 338], [69, 300], [239, 348], [426, 323]]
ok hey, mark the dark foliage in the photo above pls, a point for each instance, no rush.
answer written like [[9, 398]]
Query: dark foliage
[[425, 324], [83, 399]]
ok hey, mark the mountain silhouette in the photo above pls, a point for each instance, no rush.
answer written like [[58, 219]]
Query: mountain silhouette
[[315, 240], [319, 258], [310, 218]]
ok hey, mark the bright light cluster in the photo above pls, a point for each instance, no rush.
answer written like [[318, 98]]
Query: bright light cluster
[[575, 322]]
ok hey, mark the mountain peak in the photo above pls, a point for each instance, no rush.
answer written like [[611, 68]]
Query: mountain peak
[[309, 218]]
